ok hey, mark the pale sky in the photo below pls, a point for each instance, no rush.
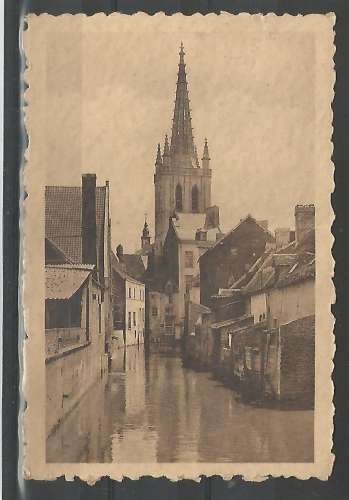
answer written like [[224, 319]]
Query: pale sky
[[109, 101]]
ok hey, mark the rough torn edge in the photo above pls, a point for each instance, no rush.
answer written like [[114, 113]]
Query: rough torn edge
[[91, 473]]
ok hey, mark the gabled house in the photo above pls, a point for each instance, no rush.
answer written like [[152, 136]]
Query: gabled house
[[77, 231], [277, 351], [128, 304], [77, 300], [231, 256], [188, 236]]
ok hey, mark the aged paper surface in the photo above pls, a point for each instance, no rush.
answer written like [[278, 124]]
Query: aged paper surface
[[199, 362]]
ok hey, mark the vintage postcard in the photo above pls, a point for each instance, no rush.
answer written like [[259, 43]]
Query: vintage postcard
[[177, 246]]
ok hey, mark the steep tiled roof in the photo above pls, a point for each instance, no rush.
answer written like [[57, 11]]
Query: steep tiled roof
[[62, 281], [63, 218], [134, 265], [121, 270], [269, 237], [291, 264]]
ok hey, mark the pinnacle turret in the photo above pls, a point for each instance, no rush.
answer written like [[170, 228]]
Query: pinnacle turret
[[158, 162], [206, 156], [166, 153], [196, 157]]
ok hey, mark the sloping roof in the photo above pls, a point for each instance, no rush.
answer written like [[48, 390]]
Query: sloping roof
[[62, 281], [55, 253], [186, 225], [231, 321], [63, 218], [291, 264], [199, 308], [220, 241], [134, 265], [120, 269], [262, 278]]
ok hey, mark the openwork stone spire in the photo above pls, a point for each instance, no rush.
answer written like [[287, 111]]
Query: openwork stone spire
[[182, 143], [158, 161]]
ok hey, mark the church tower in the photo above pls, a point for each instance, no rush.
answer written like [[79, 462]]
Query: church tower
[[181, 183]]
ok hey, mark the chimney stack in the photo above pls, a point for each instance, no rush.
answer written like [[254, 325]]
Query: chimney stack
[[304, 221], [120, 253], [212, 217], [88, 219]]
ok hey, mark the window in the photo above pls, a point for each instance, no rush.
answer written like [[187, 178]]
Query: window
[[178, 197], [154, 311], [134, 318], [188, 259], [129, 320], [134, 293], [129, 293], [195, 199], [140, 294], [99, 318], [188, 282]]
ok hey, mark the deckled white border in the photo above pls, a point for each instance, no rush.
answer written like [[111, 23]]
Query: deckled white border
[[35, 467]]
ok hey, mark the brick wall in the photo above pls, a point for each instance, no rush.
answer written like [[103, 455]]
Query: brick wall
[[297, 363], [69, 376]]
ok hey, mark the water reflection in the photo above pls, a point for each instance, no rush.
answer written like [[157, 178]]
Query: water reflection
[[153, 410]]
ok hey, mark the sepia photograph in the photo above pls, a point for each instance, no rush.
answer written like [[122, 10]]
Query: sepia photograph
[[181, 175]]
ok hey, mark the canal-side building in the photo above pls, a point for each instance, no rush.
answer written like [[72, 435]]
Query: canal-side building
[[261, 335], [77, 300], [128, 303], [188, 237], [231, 256], [78, 226], [74, 337]]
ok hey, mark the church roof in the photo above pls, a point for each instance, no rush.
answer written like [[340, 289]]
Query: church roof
[[63, 224]]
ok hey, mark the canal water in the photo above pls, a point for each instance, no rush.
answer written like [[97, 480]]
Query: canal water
[[151, 409]]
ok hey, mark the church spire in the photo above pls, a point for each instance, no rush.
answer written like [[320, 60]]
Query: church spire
[[206, 156], [158, 162], [166, 154], [182, 142]]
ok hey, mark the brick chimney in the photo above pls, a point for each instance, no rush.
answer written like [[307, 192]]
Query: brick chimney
[[304, 220], [88, 219], [282, 237], [212, 217], [120, 253]]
